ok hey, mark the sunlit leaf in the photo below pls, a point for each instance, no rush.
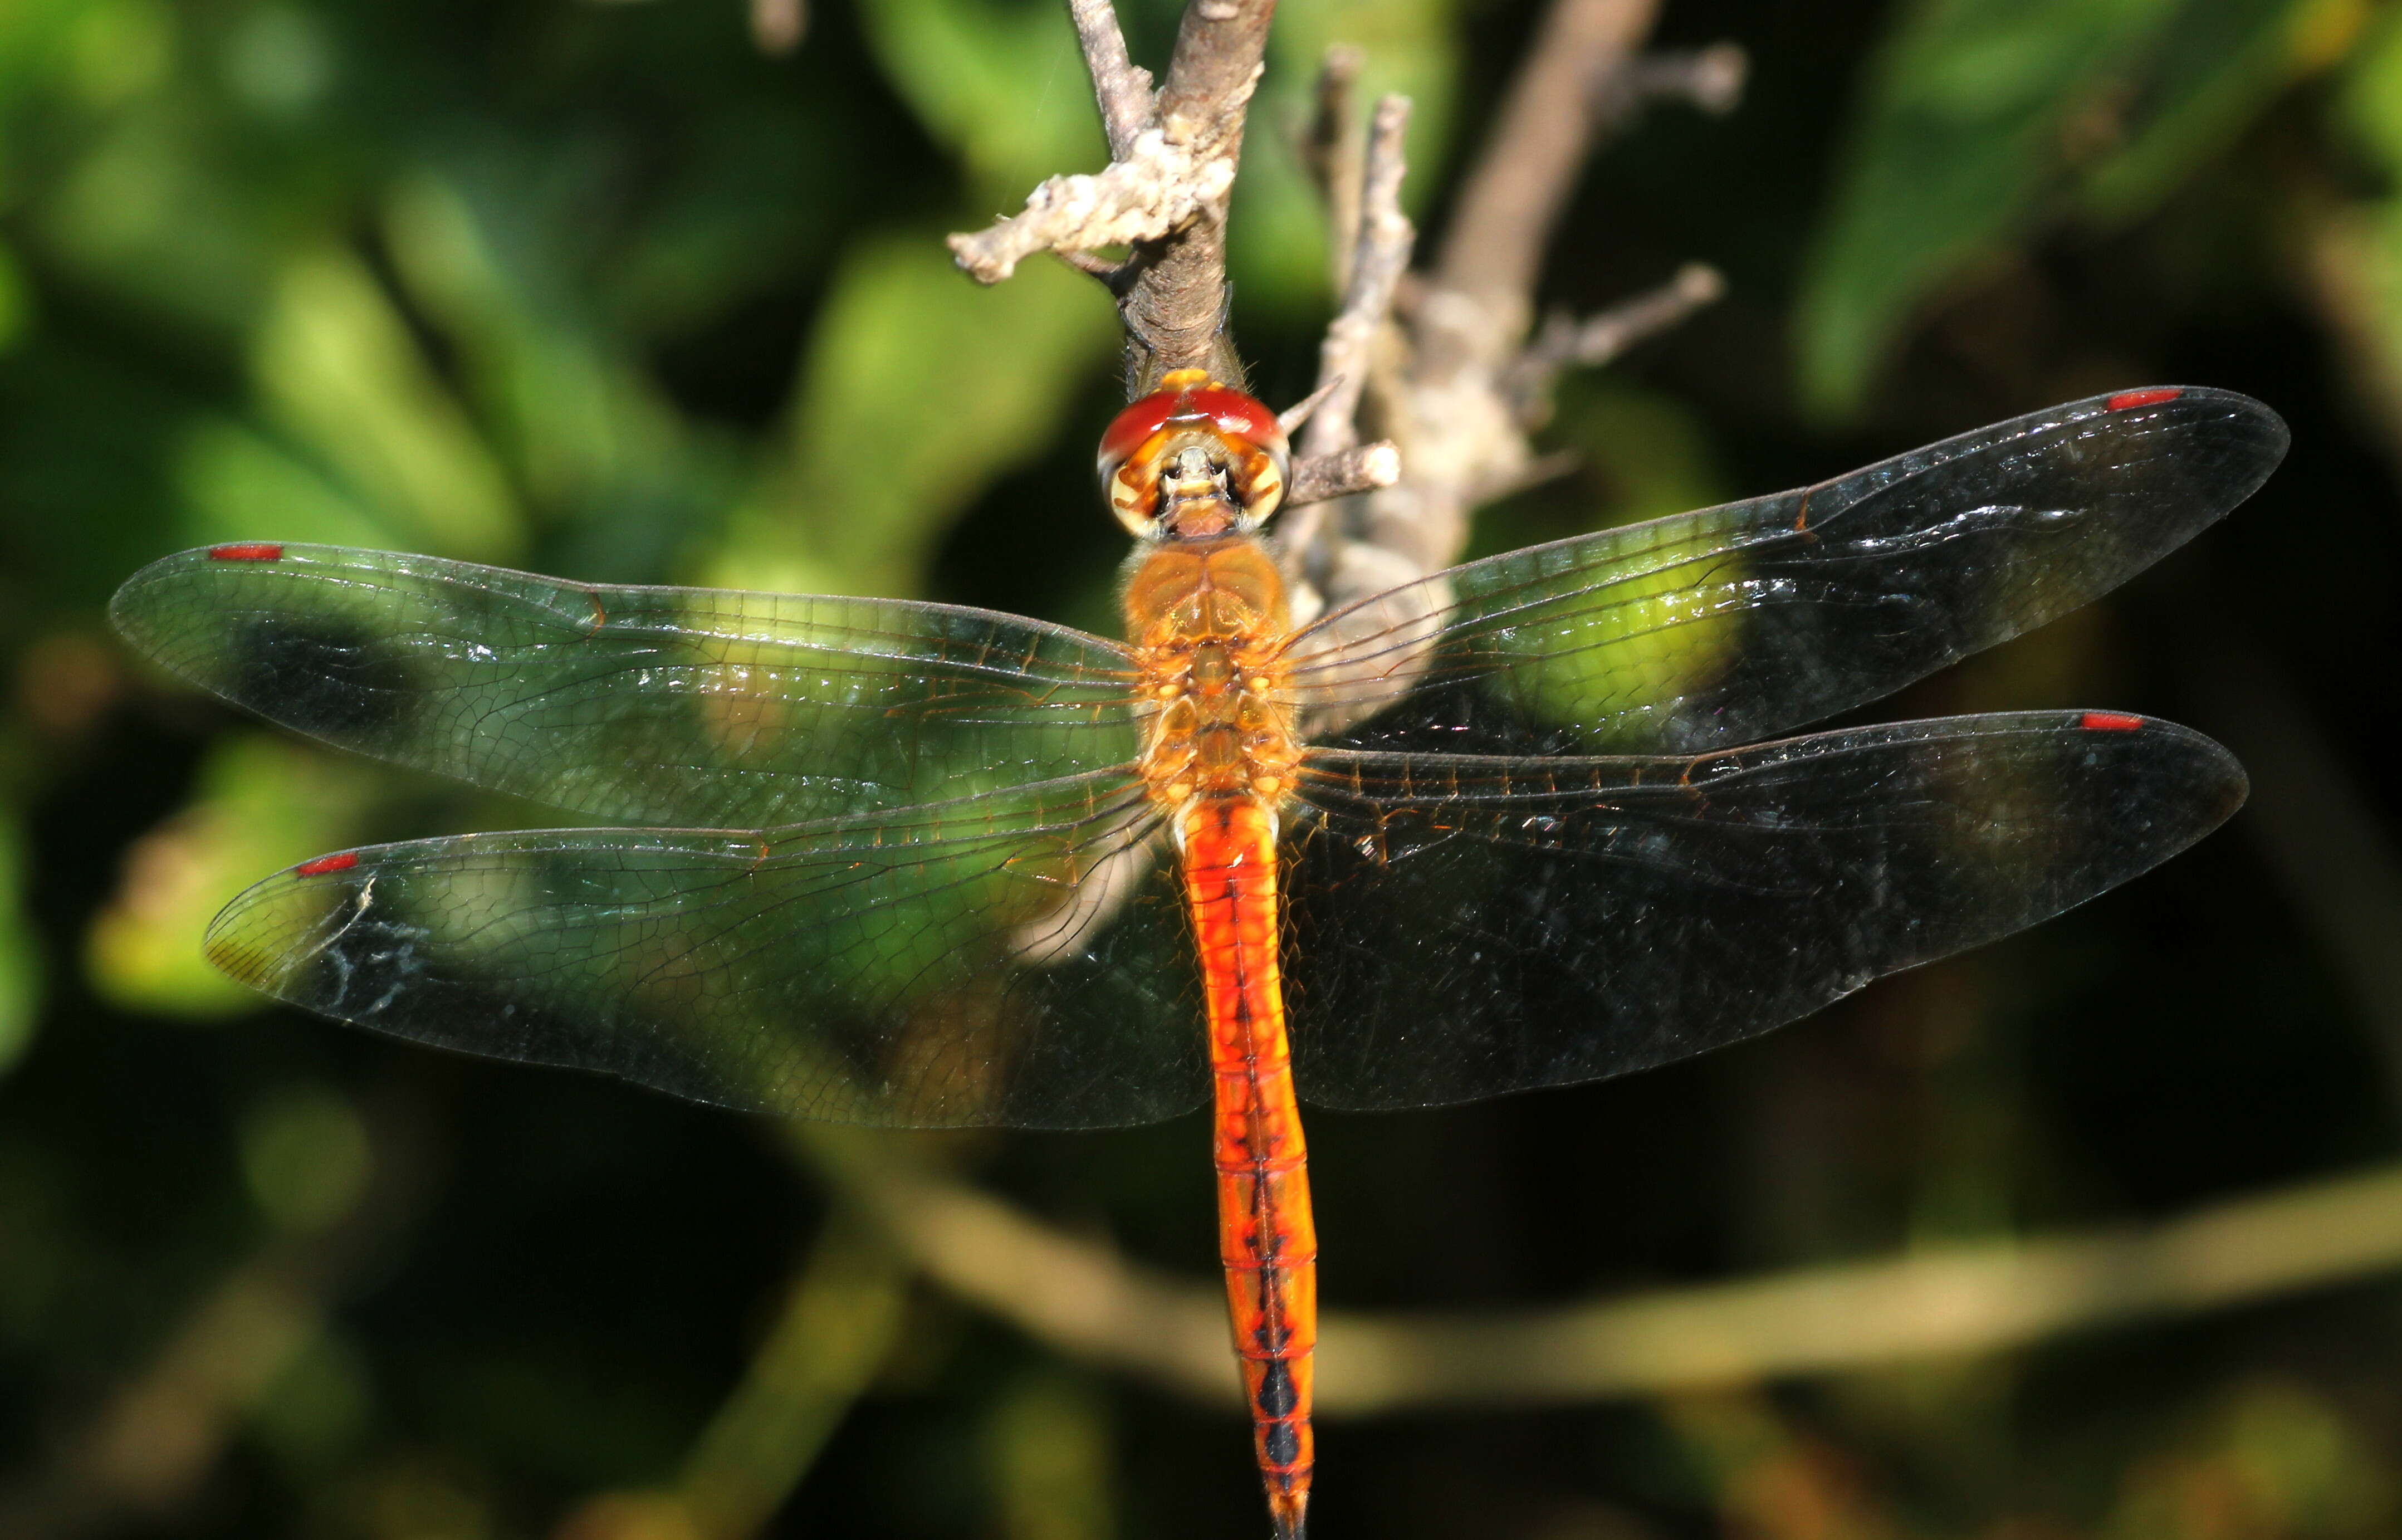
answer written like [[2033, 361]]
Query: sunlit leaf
[[1002, 85], [240, 484], [897, 431], [577, 417], [264, 802], [337, 367], [2357, 249]]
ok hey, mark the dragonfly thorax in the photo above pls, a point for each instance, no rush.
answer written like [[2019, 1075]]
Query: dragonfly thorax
[[1207, 619], [1193, 460]]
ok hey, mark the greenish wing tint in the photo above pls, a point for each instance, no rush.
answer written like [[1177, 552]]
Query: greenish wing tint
[[947, 967], [693, 707], [1726, 625]]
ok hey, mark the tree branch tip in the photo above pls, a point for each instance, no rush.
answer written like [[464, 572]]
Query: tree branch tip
[[778, 26], [1720, 72], [1120, 88], [1293, 416], [1699, 284], [1365, 467], [1709, 79], [966, 251]]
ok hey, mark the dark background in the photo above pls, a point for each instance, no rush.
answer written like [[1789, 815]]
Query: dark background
[[607, 290]]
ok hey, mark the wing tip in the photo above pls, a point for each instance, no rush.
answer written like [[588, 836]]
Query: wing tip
[[2276, 435], [2212, 782]]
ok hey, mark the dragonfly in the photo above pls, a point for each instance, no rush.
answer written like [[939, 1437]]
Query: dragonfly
[[1543, 818]]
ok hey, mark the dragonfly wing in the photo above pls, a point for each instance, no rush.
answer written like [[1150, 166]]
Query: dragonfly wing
[[933, 968], [1463, 926], [1729, 624], [684, 706]]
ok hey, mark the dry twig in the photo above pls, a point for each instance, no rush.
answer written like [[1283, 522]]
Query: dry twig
[[776, 26], [1328, 476], [1454, 380], [1379, 254], [1163, 193], [1598, 339], [1120, 88], [1080, 1298]]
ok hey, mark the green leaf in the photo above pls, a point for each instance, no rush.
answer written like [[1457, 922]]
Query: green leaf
[[240, 484], [572, 415], [1003, 86], [337, 366], [147, 214], [1961, 129], [2214, 71], [2368, 108], [265, 803], [896, 432], [1983, 118], [16, 304], [20, 967], [2357, 252]]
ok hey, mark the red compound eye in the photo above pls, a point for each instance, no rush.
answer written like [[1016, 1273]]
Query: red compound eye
[[1135, 426], [1249, 442], [1239, 416]]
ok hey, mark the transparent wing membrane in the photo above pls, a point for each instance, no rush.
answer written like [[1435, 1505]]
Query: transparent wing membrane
[[1725, 625], [1462, 926], [926, 969], [960, 911], [685, 706]]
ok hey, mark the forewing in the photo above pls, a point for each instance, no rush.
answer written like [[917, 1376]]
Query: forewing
[[688, 706], [1461, 927], [1722, 626], [933, 968]]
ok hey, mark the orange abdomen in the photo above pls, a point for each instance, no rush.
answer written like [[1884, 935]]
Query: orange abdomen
[[1266, 1239]]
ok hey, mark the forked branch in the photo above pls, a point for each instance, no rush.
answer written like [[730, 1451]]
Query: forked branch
[[1163, 195], [1454, 378]]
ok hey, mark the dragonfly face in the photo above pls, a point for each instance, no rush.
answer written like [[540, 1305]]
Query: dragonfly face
[[1193, 459], [1533, 821]]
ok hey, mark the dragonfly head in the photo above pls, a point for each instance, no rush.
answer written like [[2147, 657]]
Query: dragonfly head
[[1193, 459]]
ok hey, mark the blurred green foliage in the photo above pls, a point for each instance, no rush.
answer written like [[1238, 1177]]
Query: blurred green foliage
[[1983, 119], [601, 289]]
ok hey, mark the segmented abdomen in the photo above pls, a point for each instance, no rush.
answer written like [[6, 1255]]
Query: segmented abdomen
[[1266, 1239]]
